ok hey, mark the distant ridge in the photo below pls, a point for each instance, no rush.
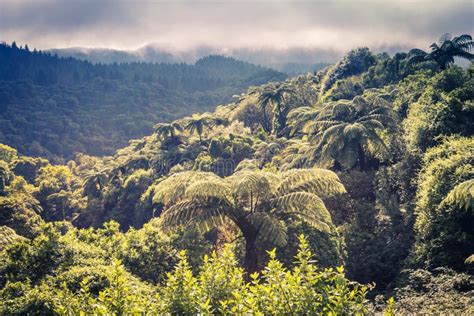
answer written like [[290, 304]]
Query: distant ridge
[[53, 107], [291, 62]]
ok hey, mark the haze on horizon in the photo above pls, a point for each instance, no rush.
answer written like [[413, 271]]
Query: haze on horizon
[[327, 28]]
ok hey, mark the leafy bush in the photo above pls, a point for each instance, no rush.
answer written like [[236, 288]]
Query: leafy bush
[[444, 230], [441, 291]]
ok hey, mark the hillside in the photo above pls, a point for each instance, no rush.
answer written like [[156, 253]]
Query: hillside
[[53, 107], [359, 175]]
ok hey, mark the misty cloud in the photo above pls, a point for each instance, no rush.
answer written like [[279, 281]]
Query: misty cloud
[[229, 26]]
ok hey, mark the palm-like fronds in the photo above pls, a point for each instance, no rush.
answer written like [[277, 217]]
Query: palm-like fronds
[[8, 236], [94, 182], [197, 123], [299, 118], [173, 188], [165, 130], [462, 195], [343, 130], [445, 50], [257, 202], [275, 95]]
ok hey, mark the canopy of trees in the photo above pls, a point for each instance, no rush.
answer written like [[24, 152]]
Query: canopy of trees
[[54, 107], [359, 175]]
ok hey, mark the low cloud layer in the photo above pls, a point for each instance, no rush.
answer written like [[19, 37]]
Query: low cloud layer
[[180, 26]]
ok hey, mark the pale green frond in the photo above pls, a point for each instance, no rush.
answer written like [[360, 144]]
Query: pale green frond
[[269, 227], [330, 132], [302, 202], [372, 124], [210, 220], [246, 183], [376, 141], [190, 212], [353, 131], [172, 189], [462, 195], [8, 236], [247, 164], [202, 190], [319, 181], [313, 127]]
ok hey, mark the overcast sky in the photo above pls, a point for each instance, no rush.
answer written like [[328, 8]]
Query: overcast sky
[[227, 25]]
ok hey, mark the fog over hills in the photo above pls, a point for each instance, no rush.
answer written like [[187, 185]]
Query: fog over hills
[[291, 61]]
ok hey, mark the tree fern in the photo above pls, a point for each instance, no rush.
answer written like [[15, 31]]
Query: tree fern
[[257, 202], [462, 195]]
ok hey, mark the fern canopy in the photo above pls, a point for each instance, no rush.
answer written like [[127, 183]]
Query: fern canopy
[[257, 202]]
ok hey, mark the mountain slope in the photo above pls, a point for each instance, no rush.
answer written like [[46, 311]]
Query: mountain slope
[[54, 107]]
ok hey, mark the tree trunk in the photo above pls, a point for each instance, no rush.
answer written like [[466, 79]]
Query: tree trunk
[[266, 124], [361, 155], [251, 257]]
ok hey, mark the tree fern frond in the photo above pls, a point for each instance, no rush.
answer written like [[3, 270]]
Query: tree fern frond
[[202, 190], [245, 183], [461, 39], [269, 227], [247, 164], [375, 140], [369, 123], [316, 126], [320, 225], [462, 195], [318, 181], [172, 189], [189, 212], [206, 222], [303, 202], [353, 131]]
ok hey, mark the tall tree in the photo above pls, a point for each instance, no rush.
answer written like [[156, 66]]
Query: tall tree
[[445, 50], [197, 123], [168, 130], [344, 130], [257, 202], [275, 95], [94, 182]]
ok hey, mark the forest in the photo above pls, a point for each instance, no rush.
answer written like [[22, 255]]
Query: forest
[[55, 107], [344, 191]]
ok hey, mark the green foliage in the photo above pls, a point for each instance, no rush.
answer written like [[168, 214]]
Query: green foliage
[[398, 136], [257, 202], [344, 131], [444, 230], [7, 154], [148, 253], [353, 63], [67, 102], [443, 109], [21, 213], [445, 50], [218, 288], [441, 291], [7, 237]]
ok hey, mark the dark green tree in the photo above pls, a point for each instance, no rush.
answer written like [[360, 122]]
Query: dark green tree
[[444, 52]]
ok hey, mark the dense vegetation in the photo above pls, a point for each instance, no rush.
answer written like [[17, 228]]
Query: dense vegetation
[[360, 175], [55, 107]]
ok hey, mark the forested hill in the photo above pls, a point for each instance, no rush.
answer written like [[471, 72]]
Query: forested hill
[[53, 107], [371, 159]]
